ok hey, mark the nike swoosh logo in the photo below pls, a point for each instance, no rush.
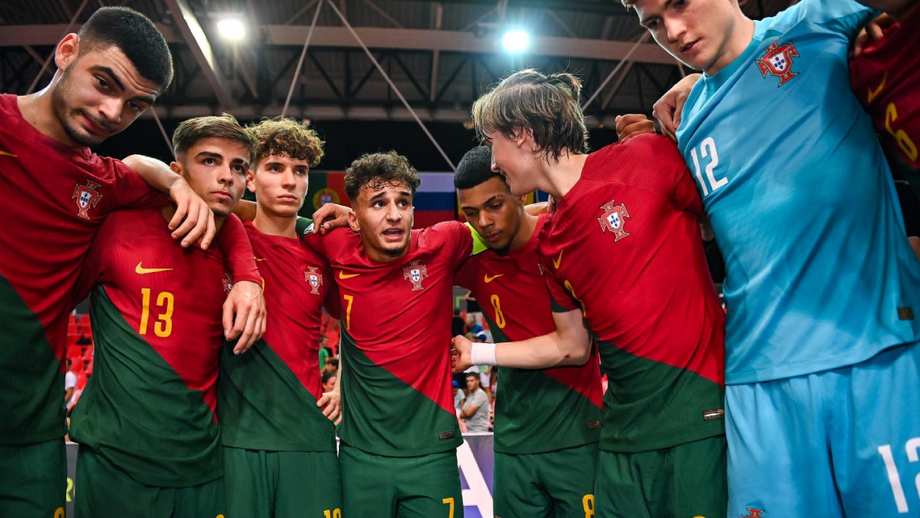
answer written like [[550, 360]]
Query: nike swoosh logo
[[558, 261], [4, 153], [141, 270], [258, 259], [343, 275], [490, 279], [874, 93]]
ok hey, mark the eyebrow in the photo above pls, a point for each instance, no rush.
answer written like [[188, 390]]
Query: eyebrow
[[490, 200], [115, 79], [382, 193]]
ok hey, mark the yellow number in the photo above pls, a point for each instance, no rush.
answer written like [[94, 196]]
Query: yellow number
[[450, 502], [334, 513], [499, 317], [907, 145], [163, 326], [588, 503], [584, 309], [59, 512], [145, 312], [350, 299], [69, 491]]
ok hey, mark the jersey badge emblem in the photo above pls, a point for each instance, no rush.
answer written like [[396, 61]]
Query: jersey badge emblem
[[755, 513], [86, 197], [778, 61], [614, 219], [228, 283], [415, 273], [314, 278]]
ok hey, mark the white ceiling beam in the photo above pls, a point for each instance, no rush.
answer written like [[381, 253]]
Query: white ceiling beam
[[386, 38]]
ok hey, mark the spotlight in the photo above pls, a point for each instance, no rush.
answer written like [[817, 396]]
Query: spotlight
[[231, 29], [516, 41]]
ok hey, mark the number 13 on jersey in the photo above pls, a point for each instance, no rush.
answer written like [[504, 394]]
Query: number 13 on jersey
[[707, 150]]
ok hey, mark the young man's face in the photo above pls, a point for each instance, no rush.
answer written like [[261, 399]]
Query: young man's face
[[216, 169], [99, 94], [493, 211], [696, 32], [514, 159], [280, 183], [384, 218], [472, 383], [329, 386]]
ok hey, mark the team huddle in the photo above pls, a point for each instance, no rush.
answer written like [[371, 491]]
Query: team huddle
[[798, 399]]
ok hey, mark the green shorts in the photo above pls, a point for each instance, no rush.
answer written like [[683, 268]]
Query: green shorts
[[104, 491], [557, 483], [272, 484], [685, 481], [33, 479], [404, 487]]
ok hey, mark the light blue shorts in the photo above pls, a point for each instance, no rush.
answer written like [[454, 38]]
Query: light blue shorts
[[844, 442]]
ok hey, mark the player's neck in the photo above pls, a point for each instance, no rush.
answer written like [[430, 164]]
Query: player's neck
[[170, 210], [36, 109], [560, 177], [273, 225], [525, 231], [735, 45]]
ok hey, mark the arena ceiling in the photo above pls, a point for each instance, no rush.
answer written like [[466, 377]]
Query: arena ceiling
[[440, 55]]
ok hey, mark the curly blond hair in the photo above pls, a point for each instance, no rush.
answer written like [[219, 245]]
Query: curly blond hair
[[284, 135]]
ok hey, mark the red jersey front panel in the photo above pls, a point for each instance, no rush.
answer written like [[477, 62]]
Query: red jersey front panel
[[396, 323]]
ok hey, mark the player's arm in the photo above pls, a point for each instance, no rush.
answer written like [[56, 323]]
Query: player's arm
[[244, 310], [468, 413], [668, 109], [633, 124], [569, 344], [331, 402], [193, 220]]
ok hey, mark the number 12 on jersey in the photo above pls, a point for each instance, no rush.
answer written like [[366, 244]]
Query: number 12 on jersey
[[707, 150]]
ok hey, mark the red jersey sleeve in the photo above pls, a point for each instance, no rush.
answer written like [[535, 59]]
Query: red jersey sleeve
[[132, 191], [466, 274], [234, 244], [561, 299]]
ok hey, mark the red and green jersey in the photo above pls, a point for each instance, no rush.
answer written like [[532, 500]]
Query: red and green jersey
[[536, 411], [268, 395], [149, 407], [396, 382], [58, 198], [624, 246]]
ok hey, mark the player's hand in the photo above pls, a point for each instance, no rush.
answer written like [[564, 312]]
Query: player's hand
[[537, 208], [330, 216], [668, 109], [244, 315], [633, 124], [331, 403], [460, 354], [871, 33], [193, 221]]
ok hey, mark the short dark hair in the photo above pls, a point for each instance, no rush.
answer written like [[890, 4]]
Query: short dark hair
[[548, 105], [212, 126], [135, 35], [475, 168], [327, 375], [473, 374], [288, 136], [377, 170]]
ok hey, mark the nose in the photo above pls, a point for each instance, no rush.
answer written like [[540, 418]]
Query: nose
[[225, 175], [287, 178], [674, 28], [393, 213], [483, 220], [111, 110], [494, 166]]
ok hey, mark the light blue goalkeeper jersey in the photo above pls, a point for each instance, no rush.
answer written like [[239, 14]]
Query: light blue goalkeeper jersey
[[819, 272]]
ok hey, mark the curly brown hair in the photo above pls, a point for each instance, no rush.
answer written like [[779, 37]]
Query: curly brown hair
[[377, 170], [546, 105], [288, 136]]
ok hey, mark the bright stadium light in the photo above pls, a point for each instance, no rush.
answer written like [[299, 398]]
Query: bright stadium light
[[231, 29], [516, 41]]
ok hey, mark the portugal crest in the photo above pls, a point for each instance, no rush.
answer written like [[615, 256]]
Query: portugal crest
[[86, 197], [778, 61], [614, 219], [227, 281], [415, 273], [314, 279]]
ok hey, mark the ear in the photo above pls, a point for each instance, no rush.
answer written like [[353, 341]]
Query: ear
[[523, 137], [353, 221], [67, 51], [176, 167], [251, 181]]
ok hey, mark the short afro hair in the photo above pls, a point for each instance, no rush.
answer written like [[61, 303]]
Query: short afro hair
[[135, 35], [377, 170], [475, 168]]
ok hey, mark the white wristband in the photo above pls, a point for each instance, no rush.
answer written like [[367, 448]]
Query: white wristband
[[483, 354]]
